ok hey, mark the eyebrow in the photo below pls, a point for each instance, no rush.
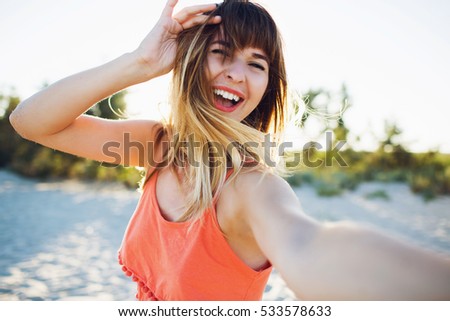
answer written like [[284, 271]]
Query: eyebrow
[[261, 56], [254, 54]]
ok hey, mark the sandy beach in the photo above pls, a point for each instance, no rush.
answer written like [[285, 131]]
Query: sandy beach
[[59, 239]]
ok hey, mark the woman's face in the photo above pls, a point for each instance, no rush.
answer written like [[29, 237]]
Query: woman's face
[[239, 79]]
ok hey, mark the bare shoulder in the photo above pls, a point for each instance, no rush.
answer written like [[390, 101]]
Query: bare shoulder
[[244, 195], [273, 214], [267, 203], [259, 189]]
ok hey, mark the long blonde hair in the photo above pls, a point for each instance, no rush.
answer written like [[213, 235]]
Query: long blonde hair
[[205, 143]]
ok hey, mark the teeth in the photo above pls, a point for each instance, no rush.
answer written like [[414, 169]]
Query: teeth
[[226, 95]]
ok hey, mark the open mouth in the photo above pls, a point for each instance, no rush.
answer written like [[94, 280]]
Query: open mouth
[[225, 100]]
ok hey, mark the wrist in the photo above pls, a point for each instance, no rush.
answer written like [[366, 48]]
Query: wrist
[[146, 67], [137, 69]]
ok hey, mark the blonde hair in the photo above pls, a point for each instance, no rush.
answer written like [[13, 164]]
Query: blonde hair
[[198, 132]]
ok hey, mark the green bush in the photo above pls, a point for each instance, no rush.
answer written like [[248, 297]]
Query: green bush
[[326, 189], [378, 194]]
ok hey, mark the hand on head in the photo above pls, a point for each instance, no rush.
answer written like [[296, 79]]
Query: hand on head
[[157, 50]]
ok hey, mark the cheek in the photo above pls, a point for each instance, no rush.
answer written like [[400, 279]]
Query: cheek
[[212, 68], [208, 71], [261, 87]]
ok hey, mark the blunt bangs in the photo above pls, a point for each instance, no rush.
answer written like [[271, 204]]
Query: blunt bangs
[[246, 24]]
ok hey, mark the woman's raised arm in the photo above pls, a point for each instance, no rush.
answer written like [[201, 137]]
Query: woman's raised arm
[[53, 117]]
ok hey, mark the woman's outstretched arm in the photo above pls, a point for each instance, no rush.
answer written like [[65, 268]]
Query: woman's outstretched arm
[[54, 116], [338, 261]]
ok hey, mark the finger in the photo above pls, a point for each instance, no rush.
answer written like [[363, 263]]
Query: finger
[[197, 20], [188, 12], [207, 13], [168, 9]]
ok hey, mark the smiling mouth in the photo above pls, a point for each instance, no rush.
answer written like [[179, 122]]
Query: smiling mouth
[[225, 100]]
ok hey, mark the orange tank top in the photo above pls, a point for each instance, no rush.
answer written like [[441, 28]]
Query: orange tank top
[[184, 261]]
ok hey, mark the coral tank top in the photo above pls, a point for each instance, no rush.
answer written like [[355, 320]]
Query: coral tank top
[[184, 260]]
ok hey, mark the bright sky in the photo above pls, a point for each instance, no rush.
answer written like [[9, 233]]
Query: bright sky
[[393, 55]]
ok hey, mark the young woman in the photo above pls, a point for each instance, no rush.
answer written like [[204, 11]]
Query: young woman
[[214, 217]]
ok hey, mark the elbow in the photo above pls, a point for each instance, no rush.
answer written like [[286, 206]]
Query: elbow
[[13, 120], [17, 122]]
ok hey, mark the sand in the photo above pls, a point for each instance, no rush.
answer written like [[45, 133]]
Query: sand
[[59, 239]]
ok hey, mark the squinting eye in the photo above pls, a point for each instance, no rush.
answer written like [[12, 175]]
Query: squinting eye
[[219, 52], [258, 66]]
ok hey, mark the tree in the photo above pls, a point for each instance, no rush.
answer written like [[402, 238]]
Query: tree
[[9, 139], [328, 108], [113, 107], [340, 130]]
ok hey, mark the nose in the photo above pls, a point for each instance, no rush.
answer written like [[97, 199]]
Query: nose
[[235, 71]]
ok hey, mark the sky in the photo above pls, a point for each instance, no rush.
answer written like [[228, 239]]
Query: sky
[[393, 56]]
